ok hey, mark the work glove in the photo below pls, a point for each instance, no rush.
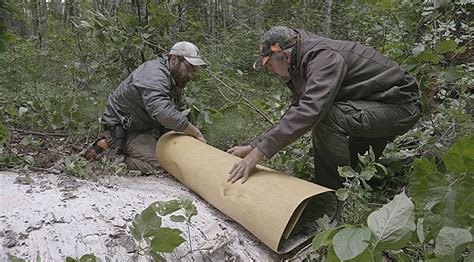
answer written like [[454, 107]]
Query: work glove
[[96, 149]]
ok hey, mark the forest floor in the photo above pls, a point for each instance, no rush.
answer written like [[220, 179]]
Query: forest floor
[[49, 215]]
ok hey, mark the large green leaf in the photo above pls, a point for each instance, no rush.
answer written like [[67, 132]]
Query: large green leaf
[[460, 158], [451, 242], [446, 46], [429, 186], [393, 224], [445, 199], [156, 257], [351, 242], [166, 240], [168, 207], [145, 224], [429, 56], [4, 133]]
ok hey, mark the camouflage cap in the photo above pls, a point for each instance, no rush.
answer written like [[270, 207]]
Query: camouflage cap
[[276, 39]]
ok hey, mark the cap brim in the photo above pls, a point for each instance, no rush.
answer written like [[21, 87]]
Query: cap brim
[[195, 61], [258, 63]]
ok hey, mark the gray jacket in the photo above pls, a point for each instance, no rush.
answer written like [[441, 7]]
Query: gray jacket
[[147, 99], [325, 71]]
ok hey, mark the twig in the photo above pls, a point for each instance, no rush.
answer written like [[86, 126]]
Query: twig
[[192, 251], [54, 171], [37, 133], [247, 102]]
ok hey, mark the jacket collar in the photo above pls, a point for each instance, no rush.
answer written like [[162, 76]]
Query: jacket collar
[[296, 54], [299, 52], [166, 62]]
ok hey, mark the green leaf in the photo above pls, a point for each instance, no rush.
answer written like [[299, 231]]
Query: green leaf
[[324, 238], [166, 240], [168, 207], [4, 133], [22, 111], [367, 173], [418, 49], [147, 223], [451, 242], [429, 56], [88, 258], [135, 233], [189, 208], [402, 257], [440, 3], [429, 186], [331, 256], [460, 158], [342, 194], [324, 222], [29, 140], [156, 257], [367, 256], [387, 4], [85, 24], [393, 224], [470, 257], [445, 199], [351, 242], [346, 171], [446, 46], [13, 258], [178, 218]]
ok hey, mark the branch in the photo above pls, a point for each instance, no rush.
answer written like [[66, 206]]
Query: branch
[[240, 95], [37, 133]]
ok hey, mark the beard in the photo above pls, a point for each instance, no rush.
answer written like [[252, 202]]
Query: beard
[[179, 77]]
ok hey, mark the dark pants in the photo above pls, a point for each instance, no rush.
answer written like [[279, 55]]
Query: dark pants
[[350, 127]]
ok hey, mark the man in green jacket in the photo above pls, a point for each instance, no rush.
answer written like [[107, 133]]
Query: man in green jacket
[[151, 98], [348, 94]]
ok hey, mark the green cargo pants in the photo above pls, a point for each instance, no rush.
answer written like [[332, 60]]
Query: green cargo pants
[[350, 127], [140, 150]]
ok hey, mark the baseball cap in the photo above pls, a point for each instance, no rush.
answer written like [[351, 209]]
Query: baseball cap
[[189, 51], [276, 39]]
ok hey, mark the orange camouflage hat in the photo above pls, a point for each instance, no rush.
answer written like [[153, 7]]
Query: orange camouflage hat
[[277, 39]]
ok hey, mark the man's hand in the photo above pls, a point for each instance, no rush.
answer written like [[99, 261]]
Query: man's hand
[[194, 132], [243, 168], [240, 151]]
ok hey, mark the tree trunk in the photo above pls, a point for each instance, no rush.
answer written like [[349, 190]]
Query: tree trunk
[[34, 17], [328, 18], [225, 13], [209, 20], [259, 16], [138, 11], [43, 20], [58, 8]]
